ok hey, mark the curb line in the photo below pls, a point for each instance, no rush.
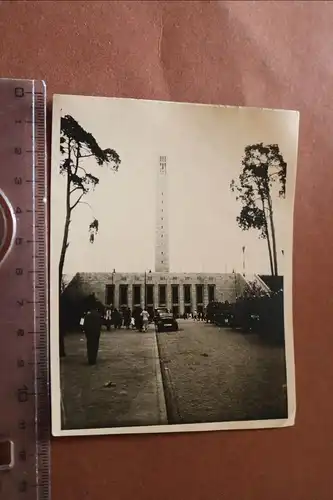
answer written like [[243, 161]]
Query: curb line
[[162, 408]]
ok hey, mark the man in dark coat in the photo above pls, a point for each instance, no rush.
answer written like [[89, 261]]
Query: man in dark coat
[[92, 328], [117, 318], [127, 317], [138, 318]]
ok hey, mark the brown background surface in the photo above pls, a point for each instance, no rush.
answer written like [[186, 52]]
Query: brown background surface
[[271, 54]]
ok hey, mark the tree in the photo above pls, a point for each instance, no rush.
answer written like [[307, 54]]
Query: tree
[[263, 170], [253, 290], [76, 144]]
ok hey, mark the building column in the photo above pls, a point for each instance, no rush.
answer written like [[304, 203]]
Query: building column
[[116, 296], [155, 295], [181, 299], [168, 297], [205, 297], [142, 295], [193, 298], [130, 296]]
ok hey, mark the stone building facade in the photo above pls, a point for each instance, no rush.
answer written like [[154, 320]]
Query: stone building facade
[[179, 292]]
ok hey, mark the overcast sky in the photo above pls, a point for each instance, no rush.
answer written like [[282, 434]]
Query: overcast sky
[[204, 147]]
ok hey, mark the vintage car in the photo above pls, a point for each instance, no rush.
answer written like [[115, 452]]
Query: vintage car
[[164, 320]]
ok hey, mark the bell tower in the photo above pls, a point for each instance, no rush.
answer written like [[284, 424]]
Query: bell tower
[[162, 234]]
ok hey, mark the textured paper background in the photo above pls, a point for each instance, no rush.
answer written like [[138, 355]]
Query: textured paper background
[[271, 54]]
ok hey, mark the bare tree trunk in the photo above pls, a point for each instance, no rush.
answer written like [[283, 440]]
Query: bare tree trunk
[[268, 239], [62, 322], [271, 219], [63, 249], [270, 252], [62, 258], [66, 231]]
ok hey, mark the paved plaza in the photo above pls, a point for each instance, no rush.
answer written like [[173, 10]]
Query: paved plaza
[[123, 389], [200, 374]]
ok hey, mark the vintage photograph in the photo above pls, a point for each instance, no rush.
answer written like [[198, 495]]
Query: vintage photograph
[[171, 266]]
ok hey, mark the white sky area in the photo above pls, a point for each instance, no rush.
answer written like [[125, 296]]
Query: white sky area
[[204, 146]]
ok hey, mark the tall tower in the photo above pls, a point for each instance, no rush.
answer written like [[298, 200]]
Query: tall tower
[[162, 233]]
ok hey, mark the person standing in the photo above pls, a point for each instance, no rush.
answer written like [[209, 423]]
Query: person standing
[[92, 328], [127, 318], [117, 319], [138, 318], [145, 320]]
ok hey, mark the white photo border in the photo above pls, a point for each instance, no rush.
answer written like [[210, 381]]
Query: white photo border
[[59, 102]]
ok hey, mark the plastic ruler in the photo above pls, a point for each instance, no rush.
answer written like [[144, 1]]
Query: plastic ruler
[[24, 350]]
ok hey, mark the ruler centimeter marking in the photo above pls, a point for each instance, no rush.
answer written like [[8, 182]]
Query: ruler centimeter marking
[[24, 349]]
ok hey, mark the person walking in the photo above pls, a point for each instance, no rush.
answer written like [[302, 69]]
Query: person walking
[[108, 317], [92, 329], [145, 320]]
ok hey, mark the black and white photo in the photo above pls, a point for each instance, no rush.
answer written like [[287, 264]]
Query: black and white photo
[[171, 266]]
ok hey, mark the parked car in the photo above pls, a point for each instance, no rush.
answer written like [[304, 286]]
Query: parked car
[[224, 318], [164, 320]]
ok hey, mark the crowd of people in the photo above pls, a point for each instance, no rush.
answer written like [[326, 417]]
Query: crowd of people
[[138, 319], [197, 316]]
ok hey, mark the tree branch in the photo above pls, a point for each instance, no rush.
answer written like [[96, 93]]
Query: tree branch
[[86, 203], [77, 159], [259, 199], [77, 202], [75, 189], [81, 168]]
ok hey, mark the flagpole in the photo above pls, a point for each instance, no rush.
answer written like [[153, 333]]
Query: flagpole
[[243, 249]]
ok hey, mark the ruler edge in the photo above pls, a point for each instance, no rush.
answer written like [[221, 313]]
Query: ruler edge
[[42, 447]]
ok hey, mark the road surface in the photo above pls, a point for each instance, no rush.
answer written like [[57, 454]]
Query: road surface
[[216, 374]]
